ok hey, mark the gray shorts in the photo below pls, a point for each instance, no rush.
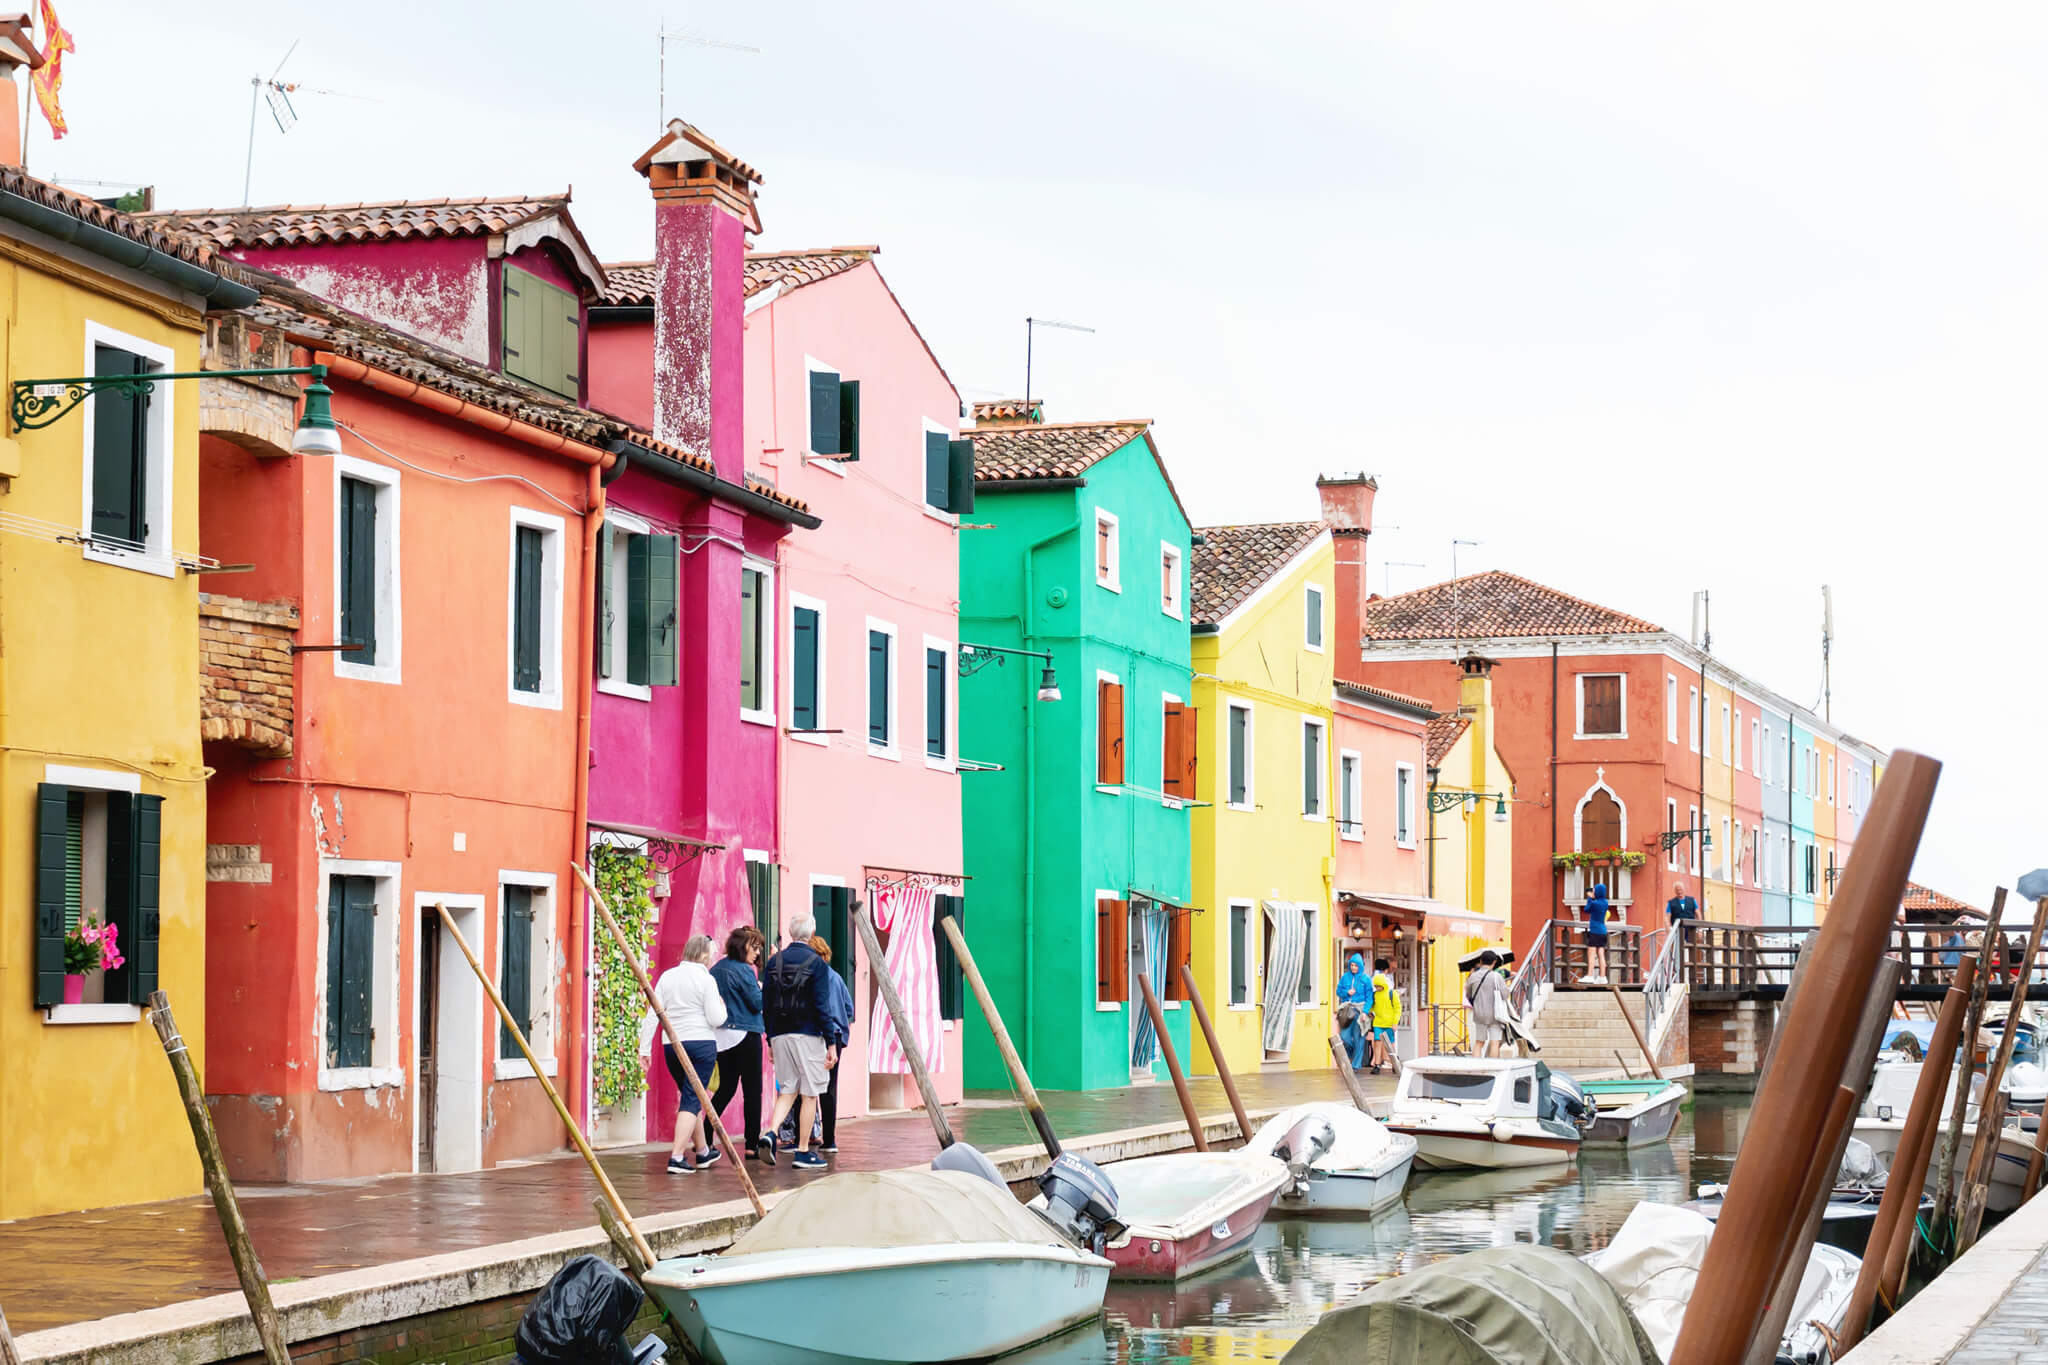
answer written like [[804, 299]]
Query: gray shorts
[[800, 1062]]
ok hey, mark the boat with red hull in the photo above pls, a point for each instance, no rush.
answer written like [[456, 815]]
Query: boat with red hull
[[1189, 1212]]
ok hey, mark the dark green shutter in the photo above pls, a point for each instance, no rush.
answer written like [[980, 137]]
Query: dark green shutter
[[764, 887], [663, 622], [1311, 760], [139, 937], [840, 933], [526, 558], [120, 450], [825, 428], [1305, 992], [960, 475], [515, 979], [1240, 954], [357, 965], [337, 938], [849, 419], [1239, 721], [639, 639], [803, 650], [952, 981], [359, 570], [52, 816], [878, 687], [935, 702], [753, 677], [122, 886], [938, 470], [74, 859], [603, 600]]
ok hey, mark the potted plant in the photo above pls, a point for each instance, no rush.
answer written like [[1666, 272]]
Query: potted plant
[[90, 947]]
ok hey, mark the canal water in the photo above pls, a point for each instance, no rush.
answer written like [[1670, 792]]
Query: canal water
[[1257, 1307]]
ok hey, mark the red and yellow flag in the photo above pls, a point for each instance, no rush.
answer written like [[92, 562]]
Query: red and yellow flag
[[49, 78]]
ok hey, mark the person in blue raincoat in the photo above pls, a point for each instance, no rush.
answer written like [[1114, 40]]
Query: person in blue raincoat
[[1354, 989], [1596, 937]]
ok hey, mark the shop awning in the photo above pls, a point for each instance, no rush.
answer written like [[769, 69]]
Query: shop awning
[[1438, 919]]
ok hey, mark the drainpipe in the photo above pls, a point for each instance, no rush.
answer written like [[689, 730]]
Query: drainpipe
[[1031, 779], [1554, 800], [579, 825]]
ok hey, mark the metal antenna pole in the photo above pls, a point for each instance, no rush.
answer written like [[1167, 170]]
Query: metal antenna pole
[[249, 162], [1032, 323], [1027, 361]]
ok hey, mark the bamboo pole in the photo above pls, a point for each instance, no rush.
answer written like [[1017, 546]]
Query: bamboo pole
[[632, 956], [1739, 1272], [622, 1240], [1187, 980], [1022, 1082], [1984, 1154], [604, 1182], [1346, 1074], [8, 1354], [900, 1017], [1180, 1081], [1642, 1044], [1966, 1065], [248, 1269]]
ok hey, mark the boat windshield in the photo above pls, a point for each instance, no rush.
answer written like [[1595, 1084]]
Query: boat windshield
[[1459, 1087]]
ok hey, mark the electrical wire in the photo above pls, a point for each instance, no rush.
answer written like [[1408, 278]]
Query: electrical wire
[[570, 508]]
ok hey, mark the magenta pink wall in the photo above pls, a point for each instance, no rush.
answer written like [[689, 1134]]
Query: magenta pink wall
[[878, 554], [700, 258], [437, 290], [619, 360], [1377, 863]]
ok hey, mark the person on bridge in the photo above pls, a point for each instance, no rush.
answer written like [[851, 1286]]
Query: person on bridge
[[1681, 906], [1596, 937]]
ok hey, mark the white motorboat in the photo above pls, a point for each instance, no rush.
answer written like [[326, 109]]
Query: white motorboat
[[1634, 1112], [1655, 1258], [2008, 1174], [1187, 1212], [1338, 1159], [1489, 1112]]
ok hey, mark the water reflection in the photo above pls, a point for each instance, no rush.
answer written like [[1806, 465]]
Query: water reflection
[[1255, 1308]]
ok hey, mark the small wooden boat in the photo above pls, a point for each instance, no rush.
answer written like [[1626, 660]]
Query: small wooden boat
[[1188, 1212], [1845, 1222], [1632, 1113], [1488, 1112], [1338, 1159], [2008, 1173]]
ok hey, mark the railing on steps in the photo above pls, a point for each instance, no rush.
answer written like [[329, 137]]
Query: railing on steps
[[1534, 972], [1663, 983], [1565, 945]]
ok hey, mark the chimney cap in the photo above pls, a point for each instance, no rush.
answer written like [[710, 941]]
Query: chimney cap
[[18, 44], [684, 165], [1475, 666], [1341, 480], [682, 142]]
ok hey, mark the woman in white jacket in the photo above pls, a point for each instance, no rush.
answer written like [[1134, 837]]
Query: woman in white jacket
[[690, 1001]]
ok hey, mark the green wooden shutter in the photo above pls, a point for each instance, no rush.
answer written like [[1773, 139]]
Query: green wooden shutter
[[539, 332], [935, 702], [74, 859], [337, 935], [527, 548], [352, 1002], [952, 980], [602, 599], [514, 345], [803, 651], [664, 624], [122, 886], [840, 934], [1240, 954], [751, 608], [938, 470], [1311, 765], [139, 937], [849, 419], [960, 475], [120, 443], [359, 569], [878, 687], [639, 638], [1239, 721], [825, 427], [764, 891], [53, 806], [515, 977]]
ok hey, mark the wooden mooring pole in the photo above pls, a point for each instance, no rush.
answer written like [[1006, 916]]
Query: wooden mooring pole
[[1346, 1074], [8, 1354], [1642, 1045], [248, 1269], [1180, 1080], [1965, 1068], [1984, 1152], [913, 1055], [1188, 983], [951, 929]]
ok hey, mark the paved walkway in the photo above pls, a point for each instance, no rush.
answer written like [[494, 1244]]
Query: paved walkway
[[1989, 1308], [69, 1268]]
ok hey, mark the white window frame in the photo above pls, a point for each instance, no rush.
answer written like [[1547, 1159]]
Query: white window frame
[[158, 553], [1723, 854], [540, 1004], [388, 667], [1727, 737], [385, 1068], [1671, 707], [893, 750], [1114, 579], [616, 573], [1351, 792], [1322, 792], [1251, 767], [1312, 600], [1313, 966], [1404, 817], [102, 781], [553, 531], [1735, 851], [1692, 717], [1735, 741], [1671, 827], [951, 761], [1756, 746], [1104, 1006], [1251, 954], [1579, 721], [1100, 678], [1176, 607], [1692, 817], [764, 715], [811, 459], [1831, 780], [798, 600]]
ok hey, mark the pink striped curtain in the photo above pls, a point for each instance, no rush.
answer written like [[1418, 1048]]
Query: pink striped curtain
[[905, 914]]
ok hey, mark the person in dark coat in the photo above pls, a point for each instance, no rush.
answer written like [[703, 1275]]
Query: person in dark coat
[[1597, 909], [739, 1041]]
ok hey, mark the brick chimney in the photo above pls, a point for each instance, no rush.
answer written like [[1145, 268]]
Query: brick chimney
[[1347, 506], [703, 209], [17, 48], [1009, 412]]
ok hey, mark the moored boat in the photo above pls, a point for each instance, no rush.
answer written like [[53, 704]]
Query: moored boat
[[1488, 1112], [1188, 1212], [2008, 1173], [1632, 1113], [1338, 1159]]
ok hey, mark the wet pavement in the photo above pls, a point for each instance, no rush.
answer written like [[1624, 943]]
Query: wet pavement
[[68, 1268]]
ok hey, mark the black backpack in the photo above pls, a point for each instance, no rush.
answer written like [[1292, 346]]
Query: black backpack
[[788, 991]]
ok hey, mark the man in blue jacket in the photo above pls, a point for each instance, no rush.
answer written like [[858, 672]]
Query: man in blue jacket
[[803, 1036]]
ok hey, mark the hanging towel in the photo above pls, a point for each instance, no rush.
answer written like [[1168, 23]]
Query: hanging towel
[[905, 913], [1287, 932], [1152, 925]]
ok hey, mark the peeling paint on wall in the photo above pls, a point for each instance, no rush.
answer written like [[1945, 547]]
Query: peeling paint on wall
[[682, 328], [447, 303]]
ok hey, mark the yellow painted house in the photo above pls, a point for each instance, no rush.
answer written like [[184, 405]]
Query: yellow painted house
[[1263, 840], [1471, 844], [102, 792]]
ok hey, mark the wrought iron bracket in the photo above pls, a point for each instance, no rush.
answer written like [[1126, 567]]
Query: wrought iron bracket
[[38, 403], [1672, 838], [668, 853], [1443, 799], [974, 658]]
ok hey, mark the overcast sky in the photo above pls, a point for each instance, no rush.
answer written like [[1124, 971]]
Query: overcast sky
[[1642, 298]]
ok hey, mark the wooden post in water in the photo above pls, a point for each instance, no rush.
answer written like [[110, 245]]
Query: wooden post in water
[[604, 1182], [632, 956], [248, 1269], [8, 1355], [1346, 1074], [1180, 1081], [2032, 1183], [1984, 1152], [900, 1017], [951, 929], [1642, 1045], [1194, 990], [1965, 1067]]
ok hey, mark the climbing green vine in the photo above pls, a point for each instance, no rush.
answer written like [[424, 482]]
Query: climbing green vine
[[617, 1070]]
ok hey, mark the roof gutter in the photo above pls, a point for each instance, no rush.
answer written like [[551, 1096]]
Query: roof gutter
[[1025, 485], [411, 390], [218, 290], [621, 312], [682, 475], [1350, 692]]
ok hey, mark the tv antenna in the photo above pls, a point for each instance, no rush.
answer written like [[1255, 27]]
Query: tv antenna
[[1031, 326], [1457, 608], [279, 94], [662, 36], [1393, 564], [1827, 642]]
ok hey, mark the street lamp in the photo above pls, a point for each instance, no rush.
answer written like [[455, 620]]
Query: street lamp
[[39, 403], [1672, 838], [974, 658]]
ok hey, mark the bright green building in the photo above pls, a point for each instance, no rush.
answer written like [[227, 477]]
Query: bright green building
[[1078, 844]]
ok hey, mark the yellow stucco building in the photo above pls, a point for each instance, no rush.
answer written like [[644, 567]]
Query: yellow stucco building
[[102, 790], [1264, 838], [1471, 843]]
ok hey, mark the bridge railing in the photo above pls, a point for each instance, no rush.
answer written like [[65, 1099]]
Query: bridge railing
[[1718, 958], [1565, 949]]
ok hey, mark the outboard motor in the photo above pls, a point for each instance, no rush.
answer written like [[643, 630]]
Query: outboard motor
[[968, 1160], [580, 1317], [1080, 1201], [1304, 1143], [1566, 1102]]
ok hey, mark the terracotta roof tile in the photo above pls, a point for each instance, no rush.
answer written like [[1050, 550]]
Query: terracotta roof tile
[[1358, 691], [391, 220], [1493, 604], [1923, 900], [1048, 450], [1443, 735], [1010, 410], [149, 232], [631, 283], [1237, 561]]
